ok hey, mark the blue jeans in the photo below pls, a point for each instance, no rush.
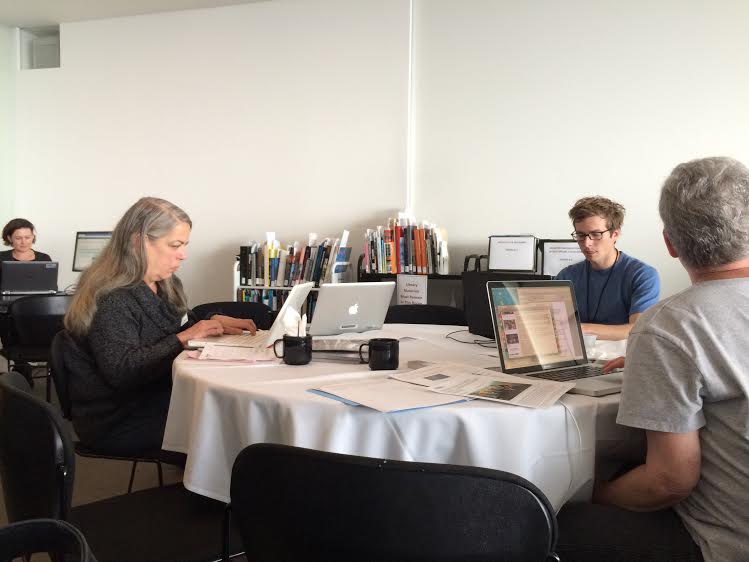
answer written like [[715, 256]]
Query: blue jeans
[[592, 532]]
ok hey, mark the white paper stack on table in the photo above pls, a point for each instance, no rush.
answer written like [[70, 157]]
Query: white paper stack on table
[[455, 382]]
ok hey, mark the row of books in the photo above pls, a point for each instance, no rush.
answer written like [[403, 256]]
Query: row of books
[[404, 246], [271, 264], [274, 298]]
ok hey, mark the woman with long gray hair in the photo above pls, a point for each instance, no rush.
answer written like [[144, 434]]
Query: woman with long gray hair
[[128, 321]]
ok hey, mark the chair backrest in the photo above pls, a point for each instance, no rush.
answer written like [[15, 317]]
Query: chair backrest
[[37, 318], [52, 536], [256, 311], [298, 504], [37, 465], [425, 314], [59, 371]]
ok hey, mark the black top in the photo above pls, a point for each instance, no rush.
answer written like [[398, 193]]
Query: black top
[[127, 355], [38, 256]]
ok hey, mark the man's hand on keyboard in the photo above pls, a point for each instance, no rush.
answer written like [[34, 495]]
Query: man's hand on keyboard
[[617, 363], [235, 325]]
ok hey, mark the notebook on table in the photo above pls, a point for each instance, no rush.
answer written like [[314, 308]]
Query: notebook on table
[[538, 334], [28, 277], [351, 307], [262, 338]]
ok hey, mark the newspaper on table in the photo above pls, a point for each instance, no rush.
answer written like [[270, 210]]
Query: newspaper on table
[[475, 382]]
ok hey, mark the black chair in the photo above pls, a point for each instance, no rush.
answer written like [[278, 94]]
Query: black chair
[[61, 540], [425, 314], [37, 469], [61, 377], [34, 322], [258, 312], [298, 504]]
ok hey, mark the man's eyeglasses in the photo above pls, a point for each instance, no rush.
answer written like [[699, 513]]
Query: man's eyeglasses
[[595, 235]]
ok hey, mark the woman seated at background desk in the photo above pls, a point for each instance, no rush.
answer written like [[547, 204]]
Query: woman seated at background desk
[[128, 321], [20, 234]]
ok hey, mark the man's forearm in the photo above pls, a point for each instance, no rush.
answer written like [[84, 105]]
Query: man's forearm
[[637, 490], [608, 331]]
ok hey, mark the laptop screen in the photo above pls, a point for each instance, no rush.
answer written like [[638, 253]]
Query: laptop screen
[[536, 325]]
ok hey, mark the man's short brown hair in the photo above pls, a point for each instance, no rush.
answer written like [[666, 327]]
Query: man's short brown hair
[[607, 209]]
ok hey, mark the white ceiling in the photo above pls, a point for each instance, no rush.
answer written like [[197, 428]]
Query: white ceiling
[[33, 13]]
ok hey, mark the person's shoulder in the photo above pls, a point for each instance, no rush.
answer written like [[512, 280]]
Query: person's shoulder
[[6, 255], [638, 269], [41, 256], [572, 271]]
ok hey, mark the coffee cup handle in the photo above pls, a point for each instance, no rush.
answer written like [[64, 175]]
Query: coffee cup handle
[[274, 349], [361, 357]]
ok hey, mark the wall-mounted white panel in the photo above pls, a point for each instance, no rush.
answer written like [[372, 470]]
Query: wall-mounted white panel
[[522, 107], [288, 116]]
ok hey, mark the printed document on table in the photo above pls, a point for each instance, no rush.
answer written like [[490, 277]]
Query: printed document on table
[[475, 382], [212, 352], [386, 395]]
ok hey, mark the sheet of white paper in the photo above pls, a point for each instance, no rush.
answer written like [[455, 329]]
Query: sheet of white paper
[[387, 395], [212, 352]]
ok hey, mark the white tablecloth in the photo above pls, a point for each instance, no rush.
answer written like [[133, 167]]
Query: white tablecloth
[[217, 409]]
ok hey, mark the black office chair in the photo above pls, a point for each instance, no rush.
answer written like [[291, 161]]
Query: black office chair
[[61, 377], [37, 470], [57, 538], [298, 504], [35, 321], [425, 314], [258, 312]]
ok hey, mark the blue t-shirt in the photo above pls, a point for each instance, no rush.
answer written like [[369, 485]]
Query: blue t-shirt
[[610, 296]]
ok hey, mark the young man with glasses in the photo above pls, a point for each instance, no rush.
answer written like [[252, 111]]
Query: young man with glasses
[[612, 289]]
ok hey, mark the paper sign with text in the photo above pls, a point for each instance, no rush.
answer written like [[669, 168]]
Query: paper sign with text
[[412, 289]]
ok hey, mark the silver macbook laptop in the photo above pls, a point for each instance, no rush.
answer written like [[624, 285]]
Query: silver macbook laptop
[[28, 277], [538, 334], [351, 307]]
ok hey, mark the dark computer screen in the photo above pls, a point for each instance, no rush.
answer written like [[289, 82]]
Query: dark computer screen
[[88, 245]]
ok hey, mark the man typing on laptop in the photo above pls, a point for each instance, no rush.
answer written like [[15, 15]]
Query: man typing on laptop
[[611, 288]]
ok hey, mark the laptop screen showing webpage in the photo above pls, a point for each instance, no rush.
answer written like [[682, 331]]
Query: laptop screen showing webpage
[[536, 325]]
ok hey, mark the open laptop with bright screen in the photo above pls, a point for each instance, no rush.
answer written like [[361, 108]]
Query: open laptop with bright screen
[[88, 245], [538, 334]]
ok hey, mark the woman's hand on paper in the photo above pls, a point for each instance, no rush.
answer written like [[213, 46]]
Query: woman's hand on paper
[[201, 329], [617, 363], [235, 325]]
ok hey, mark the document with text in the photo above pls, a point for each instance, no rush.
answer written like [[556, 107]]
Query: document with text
[[475, 382]]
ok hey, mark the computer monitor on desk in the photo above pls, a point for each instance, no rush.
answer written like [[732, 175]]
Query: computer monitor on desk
[[88, 245]]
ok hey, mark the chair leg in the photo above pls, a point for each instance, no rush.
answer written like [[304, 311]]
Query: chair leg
[[161, 474], [132, 477]]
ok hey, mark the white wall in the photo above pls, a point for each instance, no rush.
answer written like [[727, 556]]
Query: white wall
[[7, 123], [291, 116], [522, 107], [287, 116]]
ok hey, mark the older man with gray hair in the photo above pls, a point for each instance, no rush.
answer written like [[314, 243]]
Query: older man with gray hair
[[686, 383]]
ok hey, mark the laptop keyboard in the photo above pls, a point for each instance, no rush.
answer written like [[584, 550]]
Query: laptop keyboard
[[570, 373]]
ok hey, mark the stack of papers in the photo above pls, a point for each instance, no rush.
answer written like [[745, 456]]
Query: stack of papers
[[445, 383], [217, 352]]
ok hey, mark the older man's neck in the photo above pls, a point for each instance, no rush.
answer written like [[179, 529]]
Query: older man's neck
[[733, 270]]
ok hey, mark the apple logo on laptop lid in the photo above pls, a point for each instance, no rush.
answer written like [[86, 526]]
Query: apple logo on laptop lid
[[353, 310]]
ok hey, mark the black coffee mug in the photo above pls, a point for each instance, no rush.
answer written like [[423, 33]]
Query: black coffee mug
[[297, 350], [383, 354]]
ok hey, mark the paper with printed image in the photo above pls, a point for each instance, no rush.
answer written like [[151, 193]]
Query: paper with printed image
[[475, 382]]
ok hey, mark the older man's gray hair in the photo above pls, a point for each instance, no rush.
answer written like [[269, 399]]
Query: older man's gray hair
[[705, 211]]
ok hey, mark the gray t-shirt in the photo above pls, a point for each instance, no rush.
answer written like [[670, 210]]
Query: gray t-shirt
[[688, 368]]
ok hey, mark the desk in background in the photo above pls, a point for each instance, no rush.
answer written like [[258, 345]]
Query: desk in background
[[216, 410]]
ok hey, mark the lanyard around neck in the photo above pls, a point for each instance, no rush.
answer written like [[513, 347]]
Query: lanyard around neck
[[592, 318]]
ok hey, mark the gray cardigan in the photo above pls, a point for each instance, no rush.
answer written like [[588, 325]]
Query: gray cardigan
[[128, 354]]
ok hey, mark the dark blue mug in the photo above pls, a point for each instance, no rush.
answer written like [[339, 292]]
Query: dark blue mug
[[383, 354]]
